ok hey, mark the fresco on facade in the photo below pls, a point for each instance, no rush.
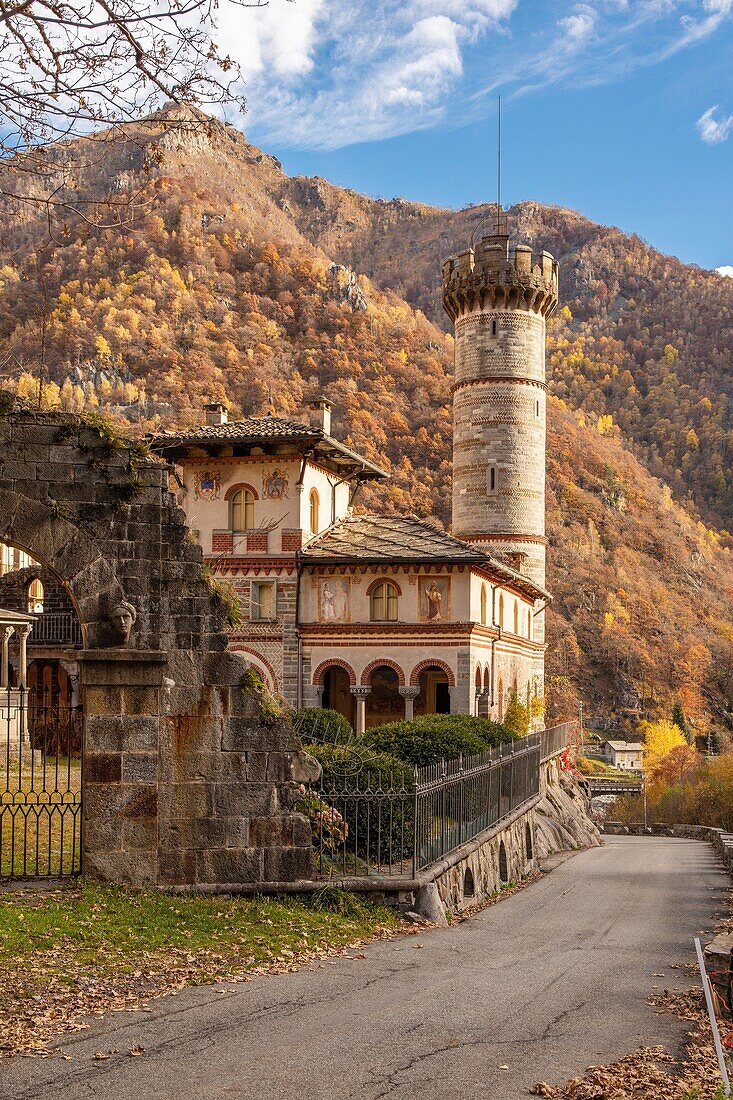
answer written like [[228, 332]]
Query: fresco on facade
[[275, 485], [434, 594], [206, 486], [335, 600]]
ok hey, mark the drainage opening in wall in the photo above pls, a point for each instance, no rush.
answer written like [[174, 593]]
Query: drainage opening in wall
[[469, 889], [503, 868], [528, 841]]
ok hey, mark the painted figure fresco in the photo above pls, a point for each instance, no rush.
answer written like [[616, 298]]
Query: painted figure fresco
[[335, 600], [434, 594]]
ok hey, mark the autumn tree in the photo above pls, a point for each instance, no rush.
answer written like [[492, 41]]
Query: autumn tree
[[660, 738]]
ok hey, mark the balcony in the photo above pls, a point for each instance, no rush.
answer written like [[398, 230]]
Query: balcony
[[57, 628]]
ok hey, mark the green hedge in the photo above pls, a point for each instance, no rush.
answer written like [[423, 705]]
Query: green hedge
[[322, 726], [434, 737]]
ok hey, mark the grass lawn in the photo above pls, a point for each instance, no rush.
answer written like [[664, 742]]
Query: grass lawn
[[87, 948]]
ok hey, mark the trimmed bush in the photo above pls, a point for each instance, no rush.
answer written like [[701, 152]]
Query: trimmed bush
[[434, 737], [326, 727]]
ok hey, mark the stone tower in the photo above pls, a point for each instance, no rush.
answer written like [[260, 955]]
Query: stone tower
[[498, 301]]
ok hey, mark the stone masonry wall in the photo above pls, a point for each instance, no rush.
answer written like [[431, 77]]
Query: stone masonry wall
[[187, 778]]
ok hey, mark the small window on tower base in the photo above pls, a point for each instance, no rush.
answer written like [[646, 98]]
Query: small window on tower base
[[493, 480]]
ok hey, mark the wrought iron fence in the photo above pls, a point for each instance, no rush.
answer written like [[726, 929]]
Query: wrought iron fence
[[458, 799], [368, 821], [40, 786], [556, 739]]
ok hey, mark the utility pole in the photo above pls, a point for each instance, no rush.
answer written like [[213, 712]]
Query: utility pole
[[582, 734]]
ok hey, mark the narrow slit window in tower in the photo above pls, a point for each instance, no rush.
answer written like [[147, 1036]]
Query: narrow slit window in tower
[[537, 408], [493, 480], [493, 328]]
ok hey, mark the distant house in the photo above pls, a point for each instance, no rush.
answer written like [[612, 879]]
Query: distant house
[[624, 755]]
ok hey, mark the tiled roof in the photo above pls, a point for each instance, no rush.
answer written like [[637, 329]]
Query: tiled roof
[[403, 539], [390, 538], [251, 428], [626, 746], [261, 429]]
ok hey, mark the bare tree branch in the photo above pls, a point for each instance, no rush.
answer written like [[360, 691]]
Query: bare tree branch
[[70, 68]]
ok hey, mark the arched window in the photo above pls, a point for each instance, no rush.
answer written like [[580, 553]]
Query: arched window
[[501, 610], [314, 517], [35, 597], [242, 510], [384, 602], [483, 605], [529, 623], [516, 616]]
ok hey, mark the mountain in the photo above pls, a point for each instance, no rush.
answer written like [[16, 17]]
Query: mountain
[[226, 278]]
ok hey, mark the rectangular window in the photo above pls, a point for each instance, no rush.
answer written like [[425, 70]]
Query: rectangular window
[[263, 605]]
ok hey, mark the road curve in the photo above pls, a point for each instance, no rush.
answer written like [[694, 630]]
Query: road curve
[[550, 980]]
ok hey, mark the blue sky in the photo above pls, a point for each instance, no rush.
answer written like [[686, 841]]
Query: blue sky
[[621, 109]]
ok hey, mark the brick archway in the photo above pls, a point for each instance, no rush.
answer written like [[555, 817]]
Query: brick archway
[[257, 659], [384, 663], [241, 485], [165, 706], [334, 662], [432, 663]]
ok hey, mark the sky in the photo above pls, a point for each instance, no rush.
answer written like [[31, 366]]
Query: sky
[[620, 109]]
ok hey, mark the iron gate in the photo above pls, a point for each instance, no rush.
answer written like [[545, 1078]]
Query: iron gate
[[40, 785]]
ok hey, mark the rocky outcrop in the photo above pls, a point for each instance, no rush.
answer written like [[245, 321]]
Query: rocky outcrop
[[563, 813]]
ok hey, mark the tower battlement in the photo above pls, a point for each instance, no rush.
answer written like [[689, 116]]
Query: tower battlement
[[491, 276]]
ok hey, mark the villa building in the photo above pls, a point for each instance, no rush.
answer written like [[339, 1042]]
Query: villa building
[[383, 617]]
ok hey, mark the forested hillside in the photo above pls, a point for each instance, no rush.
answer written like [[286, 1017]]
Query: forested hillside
[[228, 279], [641, 337]]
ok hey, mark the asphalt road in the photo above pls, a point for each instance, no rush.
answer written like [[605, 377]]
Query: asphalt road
[[537, 987]]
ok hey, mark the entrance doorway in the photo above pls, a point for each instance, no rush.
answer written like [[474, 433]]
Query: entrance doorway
[[434, 697], [337, 693]]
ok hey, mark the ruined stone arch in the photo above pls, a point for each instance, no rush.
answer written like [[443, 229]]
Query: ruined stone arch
[[68, 552], [169, 724]]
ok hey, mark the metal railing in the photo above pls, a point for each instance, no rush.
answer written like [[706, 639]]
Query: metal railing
[[40, 786], [368, 820], [56, 628], [456, 800], [556, 739]]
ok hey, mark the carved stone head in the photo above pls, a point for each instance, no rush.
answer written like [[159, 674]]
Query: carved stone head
[[122, 619]]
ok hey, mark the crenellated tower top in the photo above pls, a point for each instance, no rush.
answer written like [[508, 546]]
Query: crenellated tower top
[[490, 276]]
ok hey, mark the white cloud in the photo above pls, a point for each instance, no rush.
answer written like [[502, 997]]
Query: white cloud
[[580, 25], [328, 73], [279, 38], [714, 130], [726, 270]]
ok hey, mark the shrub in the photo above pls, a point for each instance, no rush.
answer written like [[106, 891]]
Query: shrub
[[321, 725], [434, 737], [517, 717], [328, 827]]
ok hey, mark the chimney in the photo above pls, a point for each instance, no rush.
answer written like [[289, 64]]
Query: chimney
[[322, 407], [216, 414]]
